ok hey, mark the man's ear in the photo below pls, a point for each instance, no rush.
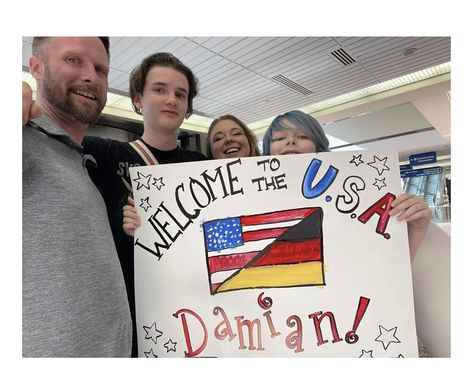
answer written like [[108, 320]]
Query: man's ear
[[36, 67]]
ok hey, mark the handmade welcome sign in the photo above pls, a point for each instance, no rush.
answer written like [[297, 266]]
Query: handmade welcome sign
[[285, 256]]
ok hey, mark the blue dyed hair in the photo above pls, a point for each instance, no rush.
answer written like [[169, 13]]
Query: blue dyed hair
[[302, 121]]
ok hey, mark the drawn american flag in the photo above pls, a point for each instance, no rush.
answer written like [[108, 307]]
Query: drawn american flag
[[276, 249]]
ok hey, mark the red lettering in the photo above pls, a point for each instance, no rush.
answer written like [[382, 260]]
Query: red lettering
[[274, 333], [318, 330], [381, 208], [294, 339], [250, 326], [227, 331], [190, 351]]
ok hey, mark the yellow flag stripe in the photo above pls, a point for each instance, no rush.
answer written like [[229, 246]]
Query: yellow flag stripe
[[284, 275]]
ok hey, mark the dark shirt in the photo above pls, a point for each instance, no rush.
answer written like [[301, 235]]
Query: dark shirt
[[114, 158]]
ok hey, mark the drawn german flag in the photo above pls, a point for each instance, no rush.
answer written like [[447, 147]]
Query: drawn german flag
[[276, 249]]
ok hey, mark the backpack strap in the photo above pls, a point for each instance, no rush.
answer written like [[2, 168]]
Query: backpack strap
[[144, 152]]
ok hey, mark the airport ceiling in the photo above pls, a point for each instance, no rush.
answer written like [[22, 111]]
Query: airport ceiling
[[259, 77]]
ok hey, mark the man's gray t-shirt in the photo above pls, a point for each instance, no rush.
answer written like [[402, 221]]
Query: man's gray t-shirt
[[74, 298]]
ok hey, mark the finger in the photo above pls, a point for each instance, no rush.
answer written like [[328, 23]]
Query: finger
[[129, 209], [417, 211], [408, 212], [407, 202], [130, 231], [35, 111], [27, 99], [130, 200], [130, 215], [402, 198], [132, 221], [401, 206], [422, 215], [131, 218]]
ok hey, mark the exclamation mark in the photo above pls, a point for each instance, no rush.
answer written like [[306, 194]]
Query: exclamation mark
[[351, 336]]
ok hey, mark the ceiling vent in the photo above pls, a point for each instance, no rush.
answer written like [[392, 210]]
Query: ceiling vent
[[342, 56], [292, 85]]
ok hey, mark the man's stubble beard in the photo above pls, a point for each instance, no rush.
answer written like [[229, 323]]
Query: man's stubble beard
[[64, 102]]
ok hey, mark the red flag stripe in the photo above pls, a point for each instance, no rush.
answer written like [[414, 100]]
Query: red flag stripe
[[274, 217], [291, 252], [261, 234], [282, 252], [214, 287], [230, 261]]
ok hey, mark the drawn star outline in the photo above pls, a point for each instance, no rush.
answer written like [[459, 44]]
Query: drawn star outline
[[158, 183], [365, 354], [170, 346], [142, 180], [150, 354], [145, 204], [152, 332], [379, 183], [379, 165], [387, 336], [357, 160]]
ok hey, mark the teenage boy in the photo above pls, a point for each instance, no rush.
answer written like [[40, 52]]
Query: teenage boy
[[162, 90]]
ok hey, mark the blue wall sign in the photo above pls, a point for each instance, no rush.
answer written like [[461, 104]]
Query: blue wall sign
[[422, 158], [421, 172]]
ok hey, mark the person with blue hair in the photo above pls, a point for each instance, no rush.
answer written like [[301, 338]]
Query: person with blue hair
[[294, 132]]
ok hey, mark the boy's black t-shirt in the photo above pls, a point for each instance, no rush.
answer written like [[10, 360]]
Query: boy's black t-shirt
[[114, 158]]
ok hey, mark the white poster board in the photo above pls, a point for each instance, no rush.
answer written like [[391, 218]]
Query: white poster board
[[284, 256]]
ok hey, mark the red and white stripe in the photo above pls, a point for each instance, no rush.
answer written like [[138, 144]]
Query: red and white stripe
[[258, 231]]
